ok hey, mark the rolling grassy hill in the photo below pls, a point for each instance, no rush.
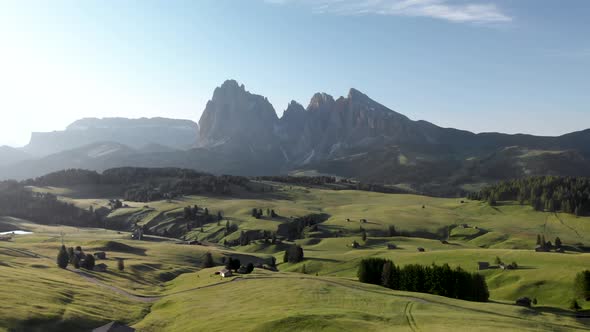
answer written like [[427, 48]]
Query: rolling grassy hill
[[163, 288], [267, 301], [508, 226]]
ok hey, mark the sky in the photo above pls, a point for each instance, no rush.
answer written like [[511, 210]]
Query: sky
[[514, 66]]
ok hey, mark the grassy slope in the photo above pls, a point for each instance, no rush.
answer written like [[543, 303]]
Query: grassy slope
[[266, 301], [38, 294], [518, 225], [546, 276]]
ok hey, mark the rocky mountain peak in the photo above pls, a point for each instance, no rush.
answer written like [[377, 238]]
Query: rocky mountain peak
[[321, 102], [294, 108], [234, 113], [229, 89], [354, 94]]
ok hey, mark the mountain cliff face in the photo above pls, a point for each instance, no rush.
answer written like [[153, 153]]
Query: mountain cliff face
[[352, 136], [235, 117], [135, 133], [355, 136]]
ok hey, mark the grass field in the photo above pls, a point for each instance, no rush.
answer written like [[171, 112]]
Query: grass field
[[508, 226], [269, 301], [163, 288]]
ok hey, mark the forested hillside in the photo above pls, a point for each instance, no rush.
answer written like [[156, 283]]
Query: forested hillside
[[543, 193], [145, 184], [43, 208]]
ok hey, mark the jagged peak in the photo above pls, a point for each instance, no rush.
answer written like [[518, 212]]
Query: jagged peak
[[293, 109], [356, 94], [294, 105], [232, 84], [319, 100]]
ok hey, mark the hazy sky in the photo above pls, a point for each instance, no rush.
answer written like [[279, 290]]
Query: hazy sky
[[481, 65]]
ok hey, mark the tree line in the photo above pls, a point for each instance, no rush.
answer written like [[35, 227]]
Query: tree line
[[543, 193], [145, 184], [438, 280], [296, 229], [43, 208]]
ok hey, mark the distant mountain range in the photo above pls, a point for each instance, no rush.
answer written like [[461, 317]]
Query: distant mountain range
[[240, 133], [135, 133]]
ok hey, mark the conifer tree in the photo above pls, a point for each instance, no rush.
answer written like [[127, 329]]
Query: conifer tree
[[89, 262], [208, 261], [387, 275], [558, 243], [120, 264], [62, 257]]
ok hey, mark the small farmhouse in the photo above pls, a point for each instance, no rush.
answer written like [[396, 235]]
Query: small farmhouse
[[483, 265], [114, 327], [225, 273]]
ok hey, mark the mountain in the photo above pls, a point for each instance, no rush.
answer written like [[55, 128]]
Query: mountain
[[96, 156], [135, 133], [353, 136], [9, 155], [234, 116]]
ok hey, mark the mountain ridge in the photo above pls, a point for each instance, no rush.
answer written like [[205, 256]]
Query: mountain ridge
[[172, 133], [353, 136]]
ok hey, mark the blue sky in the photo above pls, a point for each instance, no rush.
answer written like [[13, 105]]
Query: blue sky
[[480, 65]]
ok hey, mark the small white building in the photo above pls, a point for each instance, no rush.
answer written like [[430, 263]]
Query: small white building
[[225, 273]]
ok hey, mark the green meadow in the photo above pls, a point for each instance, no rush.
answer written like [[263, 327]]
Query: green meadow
[[163, 287]]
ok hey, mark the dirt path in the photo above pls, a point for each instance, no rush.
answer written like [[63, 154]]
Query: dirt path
[[89, 278], [409, 317], [568, 226]]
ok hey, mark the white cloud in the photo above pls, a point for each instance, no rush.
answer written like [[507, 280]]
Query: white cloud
[[449, 10]]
